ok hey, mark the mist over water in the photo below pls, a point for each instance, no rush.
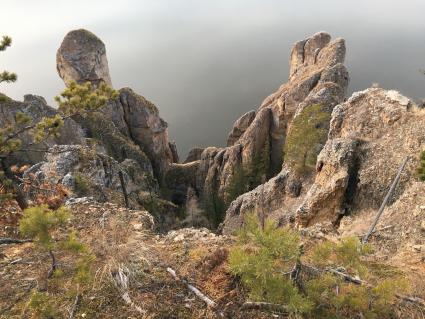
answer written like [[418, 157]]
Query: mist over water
[[204, 63]]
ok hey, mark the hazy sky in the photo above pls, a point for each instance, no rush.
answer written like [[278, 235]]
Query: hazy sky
[[205, 62]]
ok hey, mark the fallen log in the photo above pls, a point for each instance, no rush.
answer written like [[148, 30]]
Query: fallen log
[[7, 241], [210, 303]]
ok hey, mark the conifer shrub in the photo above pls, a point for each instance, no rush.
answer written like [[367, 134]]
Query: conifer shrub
[[265, 258], [307, 134], [70, 273]]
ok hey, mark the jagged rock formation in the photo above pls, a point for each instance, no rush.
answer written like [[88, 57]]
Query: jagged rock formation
[[370, 135], [82, 57], [239, 127], [36, 108], [317, 76]]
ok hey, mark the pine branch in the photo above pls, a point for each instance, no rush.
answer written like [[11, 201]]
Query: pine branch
[[5, 42]]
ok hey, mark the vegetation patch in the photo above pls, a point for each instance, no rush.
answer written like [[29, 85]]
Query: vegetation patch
[[307, 134], [312, 284]]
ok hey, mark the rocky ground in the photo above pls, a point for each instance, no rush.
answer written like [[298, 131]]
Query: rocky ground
[[123, 239]]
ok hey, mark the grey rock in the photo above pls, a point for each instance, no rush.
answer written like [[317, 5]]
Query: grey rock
[[82, 57], [194, 155], [239, 127]]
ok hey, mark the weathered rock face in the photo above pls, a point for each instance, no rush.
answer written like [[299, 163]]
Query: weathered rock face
[[194, 155], [82, 57], [370, 135], [240, 126], [36, 108], [388, 127], [88, 173], [326, 197], [147, 129]]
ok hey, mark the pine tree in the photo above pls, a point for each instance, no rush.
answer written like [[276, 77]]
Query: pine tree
[[238, 184], [81, 100], [305, 139], [6, 76]]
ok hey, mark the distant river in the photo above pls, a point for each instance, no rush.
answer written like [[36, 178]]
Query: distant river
[[205, 62]]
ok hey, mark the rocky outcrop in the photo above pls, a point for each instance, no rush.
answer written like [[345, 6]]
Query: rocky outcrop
[[388, 127], [317, 76], [88, 173], [35, 107], [82, 57], [325, 199], [194, 155], [239, 127]]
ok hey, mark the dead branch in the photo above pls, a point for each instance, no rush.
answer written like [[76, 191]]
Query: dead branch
[[121, 281], [7, 241], [54, 264], [265, 306], [124, 190], [210, 303], [384, 203], [358, 281], [74, 306], [378, 230]]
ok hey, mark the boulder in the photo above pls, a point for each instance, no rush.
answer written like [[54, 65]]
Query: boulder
[[82, 57]]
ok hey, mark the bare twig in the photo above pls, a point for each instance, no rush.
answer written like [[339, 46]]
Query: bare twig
[[121, 281], [74, 306], [384, 203], [54, 264], [210, 303]]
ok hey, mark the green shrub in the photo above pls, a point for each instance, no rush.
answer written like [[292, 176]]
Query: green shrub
[[40, 223], [82, 185], [41, 306], [238, 185], [307, 134], [264, 258]]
